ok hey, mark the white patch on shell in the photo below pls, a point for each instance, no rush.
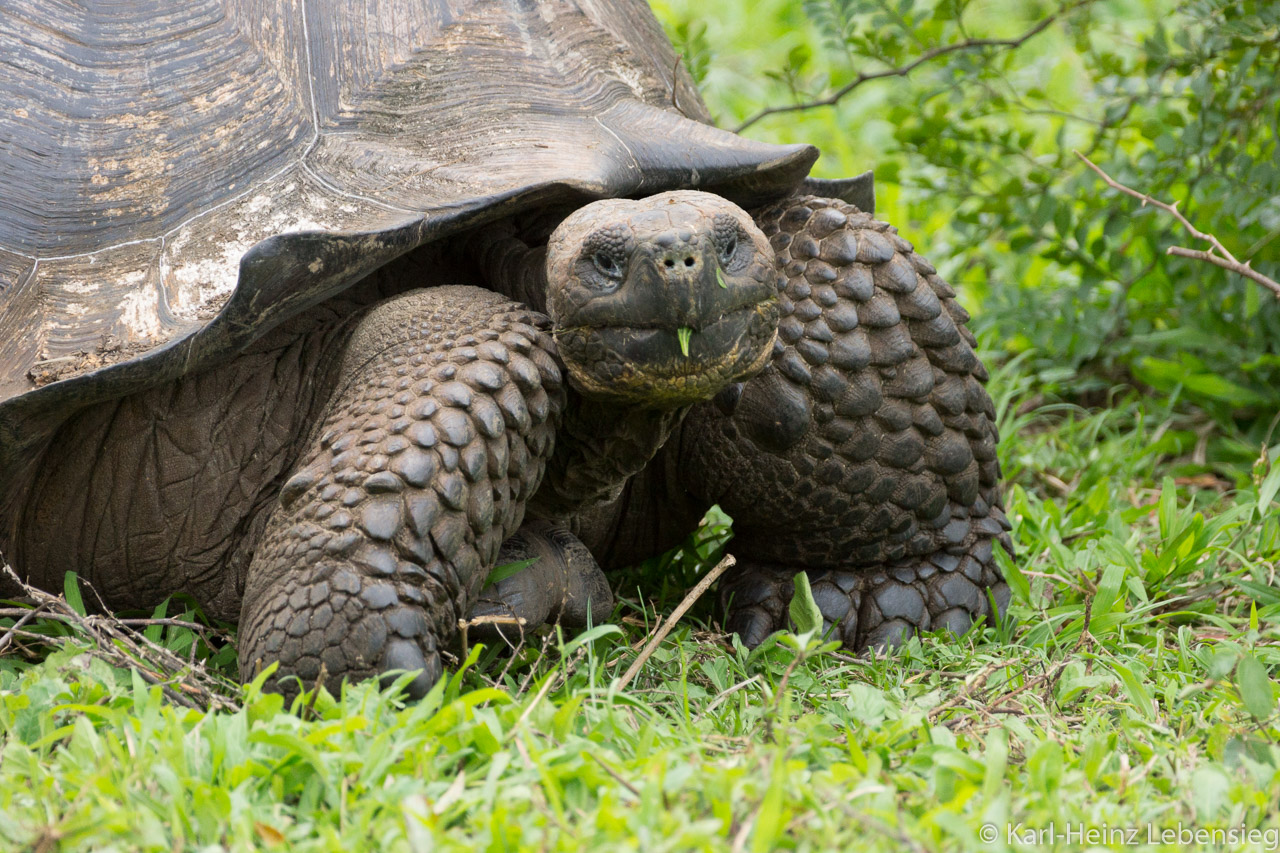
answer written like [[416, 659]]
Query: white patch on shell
[[139, 317], [630, 75], [81, 287], [203, 279], [210, 260]]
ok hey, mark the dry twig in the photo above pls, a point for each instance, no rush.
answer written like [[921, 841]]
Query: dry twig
[[978, 682], [1217, 253], [121, 643], [904, 70], [975, 692], [618, 777], [670, 622]]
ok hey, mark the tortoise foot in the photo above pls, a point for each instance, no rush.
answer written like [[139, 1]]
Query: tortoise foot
[[563, 584], [337, 622], [877, 607]]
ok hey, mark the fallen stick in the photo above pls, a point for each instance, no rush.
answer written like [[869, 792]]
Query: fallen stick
[[670, 622]]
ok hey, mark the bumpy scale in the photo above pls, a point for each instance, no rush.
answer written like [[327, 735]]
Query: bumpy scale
[[419, 471], [865, 454]]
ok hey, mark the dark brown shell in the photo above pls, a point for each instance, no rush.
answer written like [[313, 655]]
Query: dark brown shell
[[176, 179]]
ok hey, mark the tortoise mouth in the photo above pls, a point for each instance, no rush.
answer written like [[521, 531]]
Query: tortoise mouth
[[667, 367]]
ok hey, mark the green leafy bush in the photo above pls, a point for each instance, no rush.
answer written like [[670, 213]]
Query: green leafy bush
[[973, 154]]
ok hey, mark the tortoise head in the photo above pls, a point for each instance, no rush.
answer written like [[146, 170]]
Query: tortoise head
[[661, 302]]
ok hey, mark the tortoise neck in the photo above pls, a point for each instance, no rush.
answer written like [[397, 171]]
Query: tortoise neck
[[600, 446], [508, 264], [652, 513]]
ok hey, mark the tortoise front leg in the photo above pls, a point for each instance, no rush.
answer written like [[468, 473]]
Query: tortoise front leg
[[563, 584], [864, 454], [435, 440]]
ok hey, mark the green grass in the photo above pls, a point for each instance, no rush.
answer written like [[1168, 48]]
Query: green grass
[[1127, 689], [1126, 696]]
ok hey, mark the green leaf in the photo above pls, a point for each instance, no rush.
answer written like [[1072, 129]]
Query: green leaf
[[154, 632], [1135, 690], [589, 636], [720, 278], [1220, 388], [1221, 664], [684, 333], [501, 573], [804, 610], [1018, 583], [1252, 300], [1267, 491], [1255, 687], [997, 761], [1108, 591], [71, 591], [1167, 512], [771, 819]]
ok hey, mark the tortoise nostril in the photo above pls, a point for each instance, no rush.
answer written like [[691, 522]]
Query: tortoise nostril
[[670, 263], [688, 262]]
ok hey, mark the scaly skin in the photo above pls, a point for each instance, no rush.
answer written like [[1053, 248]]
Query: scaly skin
[[419, 470], [625, 276], [865, 453], [410, 448], [562, 585]]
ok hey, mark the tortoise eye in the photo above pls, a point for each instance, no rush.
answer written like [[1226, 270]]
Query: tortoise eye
[[728, 250], [607, 265], [729, 238]]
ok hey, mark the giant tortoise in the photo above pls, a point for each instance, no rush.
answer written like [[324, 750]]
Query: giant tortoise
[[307, 307]]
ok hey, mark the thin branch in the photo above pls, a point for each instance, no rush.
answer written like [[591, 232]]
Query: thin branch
[[725, 694], [616, 776], [14, 612], [1227, 264], [670, 622], [904, 70], [1217, 253], [974, 692], [17, 627], [1146, 199], [124, 644], [978, 682]]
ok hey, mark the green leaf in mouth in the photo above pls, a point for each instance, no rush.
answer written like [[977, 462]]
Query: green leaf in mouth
[[720, 278], [684, 333]]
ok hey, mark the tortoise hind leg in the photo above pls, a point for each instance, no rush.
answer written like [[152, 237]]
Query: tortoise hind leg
[[435, 439], [864, 453]]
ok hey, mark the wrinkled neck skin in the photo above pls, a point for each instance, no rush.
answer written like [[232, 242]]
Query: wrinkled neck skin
[[600, 446], [652, 513], [509, 262]]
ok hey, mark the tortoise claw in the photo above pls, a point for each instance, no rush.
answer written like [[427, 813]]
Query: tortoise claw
[[564, 584], [407, 655]]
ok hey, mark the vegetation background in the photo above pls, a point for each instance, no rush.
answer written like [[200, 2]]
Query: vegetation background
[[1126, 701]]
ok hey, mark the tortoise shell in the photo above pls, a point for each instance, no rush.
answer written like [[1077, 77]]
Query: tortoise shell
[[177, 179]]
